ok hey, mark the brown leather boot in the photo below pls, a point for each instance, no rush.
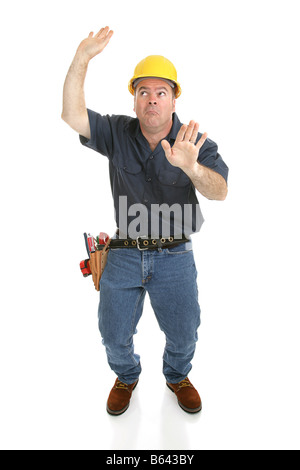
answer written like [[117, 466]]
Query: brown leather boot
[[187, 396], [119, 398]]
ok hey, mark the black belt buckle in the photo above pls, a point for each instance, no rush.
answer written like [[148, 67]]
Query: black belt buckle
[[145, 243]]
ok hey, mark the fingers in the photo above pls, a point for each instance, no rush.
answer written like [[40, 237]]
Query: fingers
[[99, 32], [167, 148], [195, 131], [104, 33], [201, 141], [190, 133], [181, 134]]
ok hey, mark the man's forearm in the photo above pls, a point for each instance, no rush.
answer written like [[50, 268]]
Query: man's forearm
[[208, 182], [74, 106]]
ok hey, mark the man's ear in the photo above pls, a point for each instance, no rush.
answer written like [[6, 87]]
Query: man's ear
[[174, 105]]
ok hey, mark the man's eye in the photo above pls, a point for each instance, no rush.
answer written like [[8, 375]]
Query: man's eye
[[161, 93], [143, 93]]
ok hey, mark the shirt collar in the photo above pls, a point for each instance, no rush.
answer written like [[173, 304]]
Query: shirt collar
[[135, 129], [175, 128]]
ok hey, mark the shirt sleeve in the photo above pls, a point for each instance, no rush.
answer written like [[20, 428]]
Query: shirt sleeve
[[101, 134], [209, 157]]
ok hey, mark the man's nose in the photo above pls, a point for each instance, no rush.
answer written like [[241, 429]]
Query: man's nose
[[152, 100]]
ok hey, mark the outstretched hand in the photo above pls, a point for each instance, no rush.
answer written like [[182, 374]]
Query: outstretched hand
[[184, 153], [93, 45]]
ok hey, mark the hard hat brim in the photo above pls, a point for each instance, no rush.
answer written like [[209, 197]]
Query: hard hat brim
[[132, 89]]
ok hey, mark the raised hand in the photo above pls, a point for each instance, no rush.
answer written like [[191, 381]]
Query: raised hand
[[184, 153], [93, 45]]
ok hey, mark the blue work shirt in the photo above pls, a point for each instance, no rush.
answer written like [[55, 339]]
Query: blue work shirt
[[144, 179]]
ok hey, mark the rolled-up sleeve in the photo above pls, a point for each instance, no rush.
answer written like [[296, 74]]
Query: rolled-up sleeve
[[209, 157]]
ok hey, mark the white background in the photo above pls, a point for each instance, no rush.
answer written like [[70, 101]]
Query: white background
[[238, 65]]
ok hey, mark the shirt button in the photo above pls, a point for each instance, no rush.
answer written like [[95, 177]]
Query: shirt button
[[149, 180], [151, 157]]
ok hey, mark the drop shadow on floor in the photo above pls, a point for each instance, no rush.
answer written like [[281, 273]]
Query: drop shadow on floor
[[165, 427]]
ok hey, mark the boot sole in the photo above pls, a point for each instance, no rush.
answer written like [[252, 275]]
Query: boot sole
[[120, 412], [184, 408]]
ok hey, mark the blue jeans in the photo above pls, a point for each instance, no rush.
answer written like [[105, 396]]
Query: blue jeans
[[170, 278]]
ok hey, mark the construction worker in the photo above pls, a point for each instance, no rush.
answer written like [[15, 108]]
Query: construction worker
[[155, 162]]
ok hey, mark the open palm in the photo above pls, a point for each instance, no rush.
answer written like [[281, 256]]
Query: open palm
[[93, 45], [184, 153]]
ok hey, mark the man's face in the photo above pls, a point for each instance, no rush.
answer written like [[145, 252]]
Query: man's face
[[154, 104]]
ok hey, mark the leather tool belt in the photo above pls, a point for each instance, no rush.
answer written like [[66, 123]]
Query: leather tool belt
[[146, 243]]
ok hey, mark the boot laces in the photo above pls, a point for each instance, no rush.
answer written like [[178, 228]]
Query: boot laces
[[121, 385], [185, 383]]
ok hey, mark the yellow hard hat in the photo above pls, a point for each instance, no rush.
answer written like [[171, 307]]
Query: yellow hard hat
[[155, 66]]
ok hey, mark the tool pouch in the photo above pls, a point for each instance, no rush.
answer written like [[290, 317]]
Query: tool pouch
[[97, 264]]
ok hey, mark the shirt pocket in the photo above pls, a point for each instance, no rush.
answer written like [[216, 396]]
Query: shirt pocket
[[127, 165], [172, 176]]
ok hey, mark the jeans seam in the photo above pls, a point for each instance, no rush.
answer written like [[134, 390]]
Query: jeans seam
[[132, 327]]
